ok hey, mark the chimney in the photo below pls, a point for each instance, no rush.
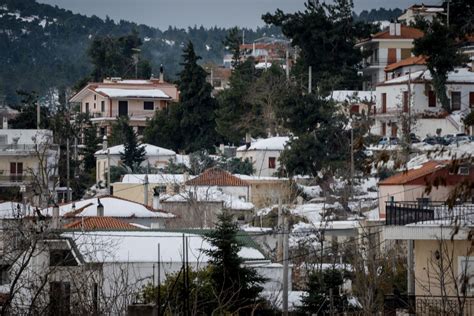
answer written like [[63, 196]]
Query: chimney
[[162, 74], [395, 29], [5, 123], [104, 143], [248, 140], [156, 199], [145, 190], [100, 209], [55, 216]]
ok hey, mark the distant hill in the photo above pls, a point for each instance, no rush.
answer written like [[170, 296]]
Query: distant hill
[[43, 47], [380, 14]]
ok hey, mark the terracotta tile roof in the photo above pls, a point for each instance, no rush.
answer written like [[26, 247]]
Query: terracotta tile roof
[[414, 174], [94, 223], [414, 60], [406, 33], [217, 176]]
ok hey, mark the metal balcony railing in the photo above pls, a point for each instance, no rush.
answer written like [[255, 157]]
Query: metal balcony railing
[[404, 213], [27, 148]]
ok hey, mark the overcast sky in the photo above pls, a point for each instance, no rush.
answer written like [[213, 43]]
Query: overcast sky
[[183, 13]]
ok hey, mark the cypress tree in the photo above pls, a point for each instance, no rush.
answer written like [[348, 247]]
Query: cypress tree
[[133, 154]]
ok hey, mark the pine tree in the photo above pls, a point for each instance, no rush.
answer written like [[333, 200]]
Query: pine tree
[[133, 154], [197, 105], [236, 285]]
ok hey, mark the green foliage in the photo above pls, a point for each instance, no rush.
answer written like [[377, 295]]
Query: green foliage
[[439, 44], [133, 154], [118, 131], [469, 119], [237, 113], [200, 161], [326, 35], [237, 165], [319, 285], [320, 139], [164, 128], [27, 119], [238, 286], [380, 14], [56, 55], [232, 41], [197, 120], [188, 125]]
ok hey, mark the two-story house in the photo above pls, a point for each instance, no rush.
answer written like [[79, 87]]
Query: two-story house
[[385, 48], [27, 158], [412, 96], [137, 99], [420, 11]]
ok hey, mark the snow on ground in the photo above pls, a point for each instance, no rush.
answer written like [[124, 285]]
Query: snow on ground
[[251, 229], [212, 193], [447, 153], [276, 300], [169, 42], [313, 211], [208, 48], [311, 191], [372, 215]]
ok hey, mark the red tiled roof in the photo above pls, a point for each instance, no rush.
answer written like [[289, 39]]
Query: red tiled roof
[[219, 177], [414, 60], [91, 223], [406, 33], [414, 174]]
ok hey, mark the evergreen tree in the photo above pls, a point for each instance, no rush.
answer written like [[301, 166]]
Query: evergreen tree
[[118, 131], [91, 143], [198, 106], [232, 43], [326, 35], [27, 118], [164, 128], [236, 285], [133, 154]]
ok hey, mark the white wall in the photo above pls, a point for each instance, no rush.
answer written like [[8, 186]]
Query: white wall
[[260, 158]]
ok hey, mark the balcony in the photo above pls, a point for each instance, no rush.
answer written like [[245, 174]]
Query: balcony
[[404, 213], [22, 149]]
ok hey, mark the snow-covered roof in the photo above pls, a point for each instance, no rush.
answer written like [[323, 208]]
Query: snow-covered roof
[[263, 65], [163, 178], [352, 96], [210, 194], [258, 178], [272, 143], [141, 246], [458, 75], [26, 136], [133, 93], [113, 207], [151, 151]]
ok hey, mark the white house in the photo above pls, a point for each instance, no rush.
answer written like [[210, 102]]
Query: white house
[[412, 95], [264, 154], [155, 157], [424, 11]]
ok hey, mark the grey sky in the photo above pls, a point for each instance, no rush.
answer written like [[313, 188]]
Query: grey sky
[[183, 13]]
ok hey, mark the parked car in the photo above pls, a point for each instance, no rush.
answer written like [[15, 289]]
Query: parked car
[[435, 140], [414, 139], [462, 139], [385, 141], [449, 138]]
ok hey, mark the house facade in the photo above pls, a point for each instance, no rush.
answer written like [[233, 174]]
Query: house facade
[[412, 95], [137, 99], [155, 157], [264, 154], [412, 185], [424, 11], [385, 48]]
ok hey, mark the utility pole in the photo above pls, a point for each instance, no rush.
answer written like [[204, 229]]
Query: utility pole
[[331, 302], [310, 79], [286, 232], [145, 189], [280, 231], [158, 303], [352, 157], [38, 115], [68, 180], [411, 277], [287, 70], [108, 172], [447, 19]]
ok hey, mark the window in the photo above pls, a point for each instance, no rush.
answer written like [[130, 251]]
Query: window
[[3, 139], [95, 97], [392, 56], [60, 298], [431, 99], [463, 170], [102, 131], [405, 53], [16, 171], [384, 129], [406, 100], [384, 103], [242, 198], [455, 100], [87, 107], [95, 105], [102, 106], [471, 99], [62, 257], [148, 105], [271, 162], [4, 276]]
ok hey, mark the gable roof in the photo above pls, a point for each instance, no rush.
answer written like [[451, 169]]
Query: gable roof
[[217, 177], [150, 150], [414, 60], [113, 207], [410, 175], [99, 223], [406, 32]]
